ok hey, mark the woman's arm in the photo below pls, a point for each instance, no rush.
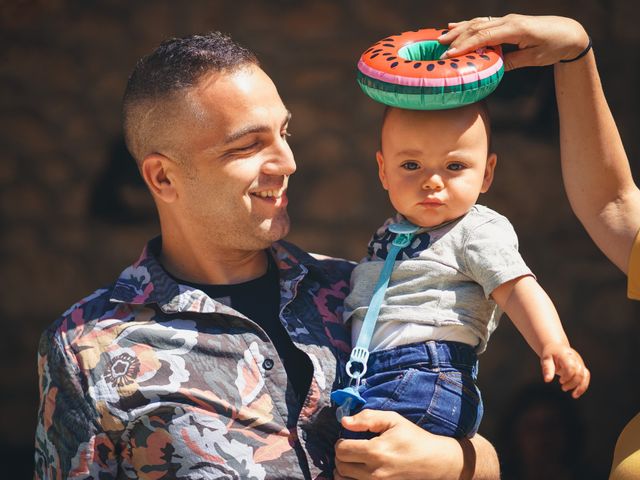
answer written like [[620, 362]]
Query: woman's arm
[[595, 168]]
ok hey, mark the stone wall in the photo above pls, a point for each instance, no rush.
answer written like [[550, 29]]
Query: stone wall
[[73, 212]]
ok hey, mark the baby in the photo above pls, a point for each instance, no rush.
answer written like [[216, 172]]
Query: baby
[[450, 286]]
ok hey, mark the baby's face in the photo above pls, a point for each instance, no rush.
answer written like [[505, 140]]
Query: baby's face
[[435, 164]]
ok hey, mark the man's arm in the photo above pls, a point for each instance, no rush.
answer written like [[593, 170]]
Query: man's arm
[[68, 443], [404, 451]]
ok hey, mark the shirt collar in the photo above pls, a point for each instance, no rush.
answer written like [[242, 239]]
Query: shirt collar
[[399, 218], [146, 281]]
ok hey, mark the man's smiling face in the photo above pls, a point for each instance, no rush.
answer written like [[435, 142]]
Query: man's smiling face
[[234, 160]]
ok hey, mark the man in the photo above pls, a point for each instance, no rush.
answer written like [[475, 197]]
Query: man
[[213, 355]]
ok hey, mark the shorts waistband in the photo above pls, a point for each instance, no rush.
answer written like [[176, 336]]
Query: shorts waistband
[[432, 354]]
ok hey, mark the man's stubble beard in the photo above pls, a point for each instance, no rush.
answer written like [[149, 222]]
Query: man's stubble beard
[[260, 234]]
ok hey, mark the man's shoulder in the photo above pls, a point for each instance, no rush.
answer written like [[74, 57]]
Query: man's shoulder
[[83, 316], [328, 265]]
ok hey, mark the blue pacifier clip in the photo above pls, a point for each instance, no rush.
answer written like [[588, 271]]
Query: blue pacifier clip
[[348, 399]]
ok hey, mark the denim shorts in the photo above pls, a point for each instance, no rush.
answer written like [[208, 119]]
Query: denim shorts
[[433, 384]]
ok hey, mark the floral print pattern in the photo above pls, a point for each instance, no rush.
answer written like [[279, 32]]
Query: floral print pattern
[[154, 380]]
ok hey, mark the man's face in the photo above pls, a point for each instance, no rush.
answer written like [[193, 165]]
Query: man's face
[[434, 164], [234, 160]]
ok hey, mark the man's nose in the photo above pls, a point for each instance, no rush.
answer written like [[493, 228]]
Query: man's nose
[[432, 181], [281, 161]]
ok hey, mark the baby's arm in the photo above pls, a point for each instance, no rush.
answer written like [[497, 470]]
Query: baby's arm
[[534, 315]]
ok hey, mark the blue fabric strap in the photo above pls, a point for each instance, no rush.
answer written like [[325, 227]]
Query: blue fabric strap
[[348, 399], [360, 353]]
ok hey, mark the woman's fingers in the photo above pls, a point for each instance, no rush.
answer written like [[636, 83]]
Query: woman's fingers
[[483, 35]]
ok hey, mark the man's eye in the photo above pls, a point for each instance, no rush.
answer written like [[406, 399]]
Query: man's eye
[[455, 166], [247, 148], [410, 166]]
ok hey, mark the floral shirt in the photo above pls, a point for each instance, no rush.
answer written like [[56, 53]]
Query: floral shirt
[[151, 379]]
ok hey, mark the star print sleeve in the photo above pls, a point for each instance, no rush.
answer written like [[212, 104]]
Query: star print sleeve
[[69, 441]]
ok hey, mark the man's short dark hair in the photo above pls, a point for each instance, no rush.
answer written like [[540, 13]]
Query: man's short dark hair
[[175, 66]]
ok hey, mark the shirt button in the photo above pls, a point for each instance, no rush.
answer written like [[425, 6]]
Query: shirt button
[[267, 364]]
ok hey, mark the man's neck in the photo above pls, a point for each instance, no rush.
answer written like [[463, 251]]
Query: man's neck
[[218, 267]]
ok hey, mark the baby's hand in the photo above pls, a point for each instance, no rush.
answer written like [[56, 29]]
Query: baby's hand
[[562, 360]]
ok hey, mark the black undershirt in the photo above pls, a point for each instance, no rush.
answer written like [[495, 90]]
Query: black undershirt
[[259, 300]]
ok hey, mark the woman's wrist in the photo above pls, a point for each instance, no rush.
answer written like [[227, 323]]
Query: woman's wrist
[[580, 43], [581, 54]]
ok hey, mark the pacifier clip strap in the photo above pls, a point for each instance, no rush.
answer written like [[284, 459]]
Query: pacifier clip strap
[[404, 235], [348, 399]]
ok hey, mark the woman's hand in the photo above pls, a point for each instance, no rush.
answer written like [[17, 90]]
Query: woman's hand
[[541, 40]]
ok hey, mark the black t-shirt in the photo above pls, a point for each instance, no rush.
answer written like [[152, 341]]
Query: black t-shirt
[[259, 300]]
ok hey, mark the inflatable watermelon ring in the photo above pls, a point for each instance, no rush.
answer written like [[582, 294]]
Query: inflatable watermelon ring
[[405, 71]]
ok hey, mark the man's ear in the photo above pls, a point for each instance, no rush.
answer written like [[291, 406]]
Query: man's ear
[[158, 173], [381, 173], [492, 159]]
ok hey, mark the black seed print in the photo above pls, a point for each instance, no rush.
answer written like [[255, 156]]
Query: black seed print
[[377, 50], [454, 65], [385, 54], [417, 64], [388, 45], [444, 31], [407, 61], [471, 64], [470, 57], [374, 55], [485, 57], [441, 62], [394, 64], [391, 58], [367, 51], [431, 66], [455, 60], [388, 39]]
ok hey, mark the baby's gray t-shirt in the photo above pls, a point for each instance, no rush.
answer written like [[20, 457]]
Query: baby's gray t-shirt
[[445, 277]]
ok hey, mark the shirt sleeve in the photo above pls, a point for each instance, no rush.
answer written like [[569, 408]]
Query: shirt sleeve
[[491, 255], [69, 442], [633, 282], [626, 456]]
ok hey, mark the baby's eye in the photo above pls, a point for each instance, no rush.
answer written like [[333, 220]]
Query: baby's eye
[[410, 165], [285, 134], [455, 166]]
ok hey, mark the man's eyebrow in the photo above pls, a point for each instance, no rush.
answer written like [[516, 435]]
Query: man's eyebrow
[[252, 129], [245, 131]]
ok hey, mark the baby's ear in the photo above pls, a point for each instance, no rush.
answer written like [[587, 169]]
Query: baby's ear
[[381, 172], [492, 160]]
